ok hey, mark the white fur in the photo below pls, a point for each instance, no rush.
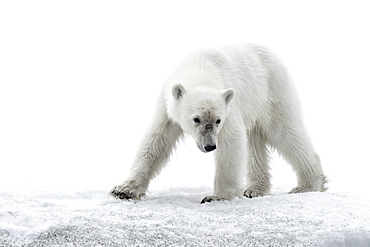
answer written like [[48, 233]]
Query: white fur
[[245, 103]]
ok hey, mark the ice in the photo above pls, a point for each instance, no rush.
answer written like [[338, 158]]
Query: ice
[[174, 217]]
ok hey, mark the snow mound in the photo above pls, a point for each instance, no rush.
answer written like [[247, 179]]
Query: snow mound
[[174, 217]]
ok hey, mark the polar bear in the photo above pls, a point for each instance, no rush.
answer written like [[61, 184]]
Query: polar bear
[[239, 102]]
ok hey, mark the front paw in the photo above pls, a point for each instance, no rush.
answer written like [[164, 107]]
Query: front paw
[[252, 192], [128, 190]]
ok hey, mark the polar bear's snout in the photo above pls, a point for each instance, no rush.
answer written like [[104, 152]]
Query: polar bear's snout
[[208, 143]]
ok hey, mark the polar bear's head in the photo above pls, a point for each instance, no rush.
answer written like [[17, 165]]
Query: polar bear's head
[[201, 112]]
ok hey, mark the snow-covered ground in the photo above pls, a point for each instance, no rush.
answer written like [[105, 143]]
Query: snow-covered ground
[[174, 217]]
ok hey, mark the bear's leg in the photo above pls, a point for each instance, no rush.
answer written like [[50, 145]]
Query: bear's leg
[[296, 148], [258, 175], [230, 157], [152, 155]]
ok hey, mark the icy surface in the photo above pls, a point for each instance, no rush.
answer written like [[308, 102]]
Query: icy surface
[[174, 217]]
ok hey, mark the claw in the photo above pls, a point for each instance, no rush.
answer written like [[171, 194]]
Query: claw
[[205, 199], [120, 195], [210, 199]]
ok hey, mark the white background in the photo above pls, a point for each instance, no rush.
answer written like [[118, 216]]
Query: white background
[[79, 82]]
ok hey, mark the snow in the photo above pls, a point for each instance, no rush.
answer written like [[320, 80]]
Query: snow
[[174, 217]]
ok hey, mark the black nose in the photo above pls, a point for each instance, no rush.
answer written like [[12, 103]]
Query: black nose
[[210, 148]]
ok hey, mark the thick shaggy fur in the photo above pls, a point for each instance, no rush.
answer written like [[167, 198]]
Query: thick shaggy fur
[[238, 101]]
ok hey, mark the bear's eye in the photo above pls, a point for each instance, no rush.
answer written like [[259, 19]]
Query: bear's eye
[[197, 120], [218, 121]]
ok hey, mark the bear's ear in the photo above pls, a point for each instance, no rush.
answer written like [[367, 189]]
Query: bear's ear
[[178, 91], [228, 95]]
